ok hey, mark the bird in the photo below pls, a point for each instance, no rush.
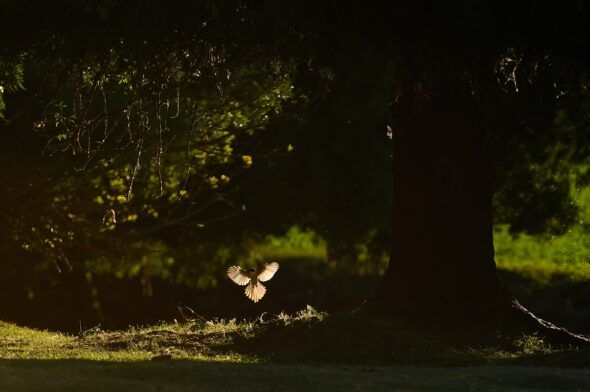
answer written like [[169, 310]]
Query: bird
[[252, 278], [187, 313]]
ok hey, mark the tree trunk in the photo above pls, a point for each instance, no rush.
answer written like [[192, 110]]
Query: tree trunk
[[442, 255], [442, 266]]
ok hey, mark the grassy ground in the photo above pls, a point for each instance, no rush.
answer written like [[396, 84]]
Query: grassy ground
[[68, 375], [306, 351], [313, 350]]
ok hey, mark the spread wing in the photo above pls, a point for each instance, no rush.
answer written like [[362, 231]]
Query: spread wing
[[238, 275], [268, 271]]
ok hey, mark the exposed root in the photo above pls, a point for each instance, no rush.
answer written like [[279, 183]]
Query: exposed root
[[524, 320], [506, 315]]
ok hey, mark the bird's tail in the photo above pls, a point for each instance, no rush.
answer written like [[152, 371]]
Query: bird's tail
[[255, 291]]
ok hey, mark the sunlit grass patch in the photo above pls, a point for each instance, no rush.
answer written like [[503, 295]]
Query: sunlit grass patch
[[571, 248], [308, 336], [544, 259], [295, 243], [26, 343], [545, 272]]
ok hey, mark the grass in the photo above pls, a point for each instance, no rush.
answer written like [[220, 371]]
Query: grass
[[541, 257], [569, 252], [295, 243], [308, 336], [309, 350], [313, 350], [198, 376], [545, 272]]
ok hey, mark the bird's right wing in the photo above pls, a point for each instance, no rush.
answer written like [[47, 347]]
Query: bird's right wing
[[268, 271], [238, 275]]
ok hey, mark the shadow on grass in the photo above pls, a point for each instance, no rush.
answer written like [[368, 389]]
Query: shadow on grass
[[312, 337], [359, 339], [182, 375], [307, 351]]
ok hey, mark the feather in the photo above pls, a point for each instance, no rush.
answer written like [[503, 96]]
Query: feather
[[268, 271], [255, 291], [238, 275]]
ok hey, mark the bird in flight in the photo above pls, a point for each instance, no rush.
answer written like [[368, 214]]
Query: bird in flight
[[252, 277]]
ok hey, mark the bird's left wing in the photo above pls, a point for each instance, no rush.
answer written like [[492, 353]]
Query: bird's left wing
[[238, 275], [268, 271]]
